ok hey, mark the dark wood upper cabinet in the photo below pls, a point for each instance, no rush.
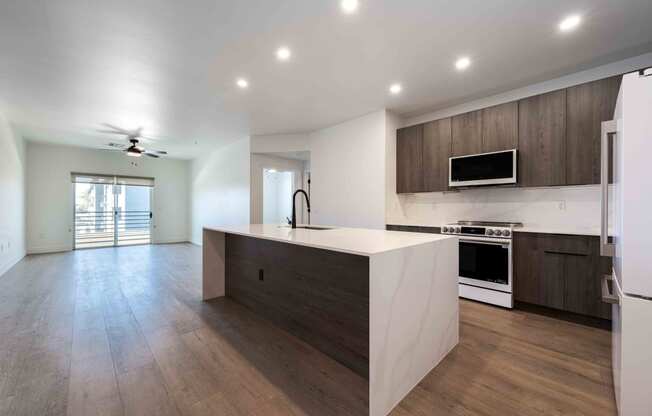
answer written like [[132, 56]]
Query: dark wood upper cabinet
[[542, 139], [557, 135], [500, 127], [436, 151], [466, 130], [409, 159], [587, 106]]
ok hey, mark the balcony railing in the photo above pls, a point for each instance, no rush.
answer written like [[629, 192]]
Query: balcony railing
[[108, 228]]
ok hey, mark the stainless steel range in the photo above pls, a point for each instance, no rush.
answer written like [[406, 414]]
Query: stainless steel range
[[485, 258]]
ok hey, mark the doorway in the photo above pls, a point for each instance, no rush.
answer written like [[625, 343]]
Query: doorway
[[274, 179], [278, 188], [112, 211]]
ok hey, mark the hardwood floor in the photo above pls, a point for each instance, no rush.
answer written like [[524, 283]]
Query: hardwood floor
[[124, 332]]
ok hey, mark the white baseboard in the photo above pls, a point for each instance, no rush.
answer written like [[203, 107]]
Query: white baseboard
[[48, 249], [171, 240], [11, 263]]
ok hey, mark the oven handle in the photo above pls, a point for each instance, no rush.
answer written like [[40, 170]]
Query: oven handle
[[488, 241]]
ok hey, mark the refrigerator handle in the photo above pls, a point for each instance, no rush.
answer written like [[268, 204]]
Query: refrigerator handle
[[606, 249], [607, 295]]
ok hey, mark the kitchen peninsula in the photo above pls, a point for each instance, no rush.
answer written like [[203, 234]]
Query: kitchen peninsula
[[382, 303]]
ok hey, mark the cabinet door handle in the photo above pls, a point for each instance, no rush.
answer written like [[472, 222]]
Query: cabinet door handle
[[606, 249], [607, 295], [565, 253]]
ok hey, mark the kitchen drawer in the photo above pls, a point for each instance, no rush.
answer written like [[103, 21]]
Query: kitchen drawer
[[566, 244]]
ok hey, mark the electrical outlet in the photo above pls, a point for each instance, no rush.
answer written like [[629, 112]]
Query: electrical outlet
[[2, 247], [562, 205]]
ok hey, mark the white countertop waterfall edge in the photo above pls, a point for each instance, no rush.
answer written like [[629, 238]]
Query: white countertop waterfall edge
[[358, 241], [413, 297], [414, 318]]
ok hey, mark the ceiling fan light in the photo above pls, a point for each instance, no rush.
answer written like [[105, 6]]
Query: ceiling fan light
[[134, 152]]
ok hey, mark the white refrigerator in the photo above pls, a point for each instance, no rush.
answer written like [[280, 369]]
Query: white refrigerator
[[630, 290]]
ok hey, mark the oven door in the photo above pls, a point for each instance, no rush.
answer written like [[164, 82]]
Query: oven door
[[486, 262]]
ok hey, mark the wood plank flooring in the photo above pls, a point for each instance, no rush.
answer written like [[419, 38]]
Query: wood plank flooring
[[124, 332]]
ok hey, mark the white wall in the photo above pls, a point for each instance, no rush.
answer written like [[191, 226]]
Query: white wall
[[50, 192], [279, 143], [12, 197], [348, 163], [561, 209], [220, 188]]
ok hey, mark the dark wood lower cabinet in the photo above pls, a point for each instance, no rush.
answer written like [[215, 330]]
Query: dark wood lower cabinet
[[561, 272], [320, 296]]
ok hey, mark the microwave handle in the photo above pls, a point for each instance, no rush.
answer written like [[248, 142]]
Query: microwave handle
[[607, 249]]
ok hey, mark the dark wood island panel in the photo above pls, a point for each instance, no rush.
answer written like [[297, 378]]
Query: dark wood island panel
[[320, 296]]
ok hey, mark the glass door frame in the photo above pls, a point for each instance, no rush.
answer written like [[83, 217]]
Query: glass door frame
[[115, 212]]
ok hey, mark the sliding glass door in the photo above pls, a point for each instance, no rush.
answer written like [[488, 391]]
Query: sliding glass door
[[112, 211], [133, 214]]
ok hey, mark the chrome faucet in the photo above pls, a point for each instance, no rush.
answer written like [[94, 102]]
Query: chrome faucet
[[294, 205]]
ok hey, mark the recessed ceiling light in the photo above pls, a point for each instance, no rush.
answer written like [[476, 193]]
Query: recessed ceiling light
[[283, 53], [242, 83], [462, 63], [395, 89], [570, 23], [349, 6]]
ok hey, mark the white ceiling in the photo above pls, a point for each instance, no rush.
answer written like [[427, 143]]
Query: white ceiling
[[170, 66]]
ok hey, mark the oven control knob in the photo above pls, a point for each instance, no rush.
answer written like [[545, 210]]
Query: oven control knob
[[506, 233], [458, 229], [499, 232], [489, 232], [444, 229]]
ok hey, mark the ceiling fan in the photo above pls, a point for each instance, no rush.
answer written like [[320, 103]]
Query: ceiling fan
[[133, 149]]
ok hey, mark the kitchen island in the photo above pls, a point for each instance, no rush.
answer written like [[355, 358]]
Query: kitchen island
[[382, 303]]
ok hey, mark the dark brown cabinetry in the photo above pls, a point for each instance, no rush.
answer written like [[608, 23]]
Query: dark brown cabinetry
[[409, 159], [557, 134], [542, 139], [561, 272], [436, 151], [500, 127], [320, 296], [587, 106], [467, 133]]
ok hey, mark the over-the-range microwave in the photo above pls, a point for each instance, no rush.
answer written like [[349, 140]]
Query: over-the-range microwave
[[493, 168]]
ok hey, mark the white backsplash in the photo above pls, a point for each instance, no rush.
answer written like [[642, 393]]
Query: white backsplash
[[569, 209]]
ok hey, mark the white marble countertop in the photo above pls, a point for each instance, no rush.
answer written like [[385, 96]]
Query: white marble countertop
[[359, 241]]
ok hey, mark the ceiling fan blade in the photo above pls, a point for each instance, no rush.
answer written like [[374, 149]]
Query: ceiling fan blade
[[160, 152], [117, 129], [151, 155], [117, 145], [112, 150], [110, 131]]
